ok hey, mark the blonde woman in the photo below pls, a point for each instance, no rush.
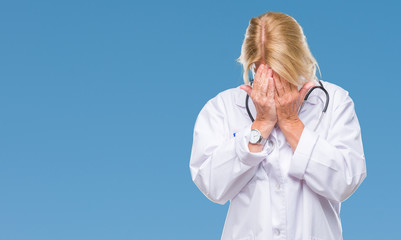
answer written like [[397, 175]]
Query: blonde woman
[[285, 164]]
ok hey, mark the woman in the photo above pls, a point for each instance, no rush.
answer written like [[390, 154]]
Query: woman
[[283, 178]]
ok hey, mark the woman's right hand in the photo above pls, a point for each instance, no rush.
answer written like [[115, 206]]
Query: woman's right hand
[[262, 95]]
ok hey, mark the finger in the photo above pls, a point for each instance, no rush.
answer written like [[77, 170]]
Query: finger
[[271, 88], [279, 86], [291, 86], [264, 82], [256, 81], [260, 79], [285, 84], [259, 71], [277, 100], [246, 88], [304, 90], [294, 88]]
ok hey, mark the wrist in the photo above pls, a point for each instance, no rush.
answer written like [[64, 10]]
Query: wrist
[[292, 131], [264, 128], [290, 126], [288, 123]]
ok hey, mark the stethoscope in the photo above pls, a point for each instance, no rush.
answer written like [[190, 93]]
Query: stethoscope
[[306, 97]]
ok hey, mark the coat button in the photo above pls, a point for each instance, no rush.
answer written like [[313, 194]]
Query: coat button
[[278, 186], [277, 231]]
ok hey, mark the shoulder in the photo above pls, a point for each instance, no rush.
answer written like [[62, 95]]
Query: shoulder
[[226, 98], [334, 89], [215, 111], [229, 94], [338, 95]]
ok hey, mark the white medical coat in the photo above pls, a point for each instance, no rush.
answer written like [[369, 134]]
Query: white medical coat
[[278, 193]]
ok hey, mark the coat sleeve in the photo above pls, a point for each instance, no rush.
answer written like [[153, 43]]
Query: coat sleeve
[[221, 164], [332, 167]]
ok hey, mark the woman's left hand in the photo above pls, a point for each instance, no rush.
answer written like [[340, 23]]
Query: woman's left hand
[[288, 99]]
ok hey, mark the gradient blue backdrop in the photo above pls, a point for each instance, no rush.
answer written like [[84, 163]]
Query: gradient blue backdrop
[[98, 101]]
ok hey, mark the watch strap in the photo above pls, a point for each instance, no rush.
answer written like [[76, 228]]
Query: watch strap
[[262, 140]]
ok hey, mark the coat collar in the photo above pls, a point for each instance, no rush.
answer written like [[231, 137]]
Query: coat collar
[[313, 98]]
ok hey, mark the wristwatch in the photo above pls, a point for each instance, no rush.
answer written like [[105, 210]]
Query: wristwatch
[[256, 137]]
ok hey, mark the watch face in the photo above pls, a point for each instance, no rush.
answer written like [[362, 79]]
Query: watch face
[[255, 136]]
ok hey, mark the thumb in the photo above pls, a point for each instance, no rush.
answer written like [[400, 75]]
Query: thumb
[[304, 90], [246, 88]]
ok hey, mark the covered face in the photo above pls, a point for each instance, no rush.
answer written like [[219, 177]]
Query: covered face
[[256, 65]]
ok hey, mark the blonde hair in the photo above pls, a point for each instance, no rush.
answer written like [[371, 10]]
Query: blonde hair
[[279, 40]]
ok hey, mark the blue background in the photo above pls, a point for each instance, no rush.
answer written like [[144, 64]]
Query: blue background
[[98, 101]]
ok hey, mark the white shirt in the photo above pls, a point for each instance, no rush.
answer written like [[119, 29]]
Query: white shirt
[[278, 193]]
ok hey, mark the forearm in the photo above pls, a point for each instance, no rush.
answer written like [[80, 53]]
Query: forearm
[[333, 168], [222, 166], [292, 132]]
